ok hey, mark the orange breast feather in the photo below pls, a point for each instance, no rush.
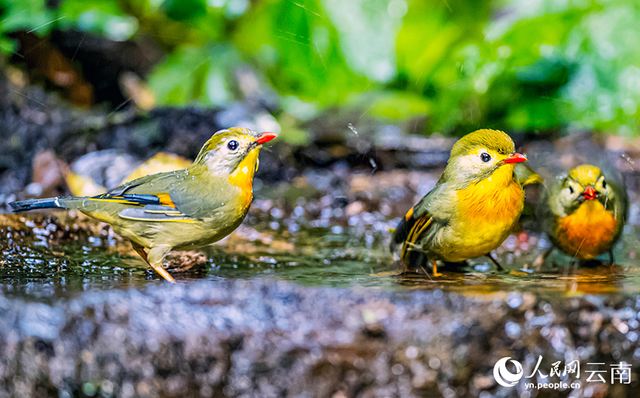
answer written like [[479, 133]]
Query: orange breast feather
[[587, 232]]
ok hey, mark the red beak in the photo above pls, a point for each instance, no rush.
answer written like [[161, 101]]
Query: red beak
[[589, 193], [265, 137], [515, 158]]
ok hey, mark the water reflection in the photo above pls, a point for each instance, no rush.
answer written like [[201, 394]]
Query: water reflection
[[313, 257], [599, 280]]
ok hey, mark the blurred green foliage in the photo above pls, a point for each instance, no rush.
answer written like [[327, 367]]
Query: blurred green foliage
[[530, 66]]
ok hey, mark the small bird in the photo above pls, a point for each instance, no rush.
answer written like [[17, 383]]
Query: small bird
[[584, 214], [472, 208], [178, 210]]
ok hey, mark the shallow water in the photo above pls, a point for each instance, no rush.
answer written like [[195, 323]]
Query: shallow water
[[343, 257]]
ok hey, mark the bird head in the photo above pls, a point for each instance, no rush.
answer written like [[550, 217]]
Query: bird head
[[478, 155], [232, 149], [585, 183]]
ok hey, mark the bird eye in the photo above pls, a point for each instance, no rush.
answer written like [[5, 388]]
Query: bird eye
[[570, 189], [604, 184], [233, 145], [485, 157]]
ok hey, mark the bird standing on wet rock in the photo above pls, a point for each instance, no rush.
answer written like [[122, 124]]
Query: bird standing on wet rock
[[182, 209], [584, 214], [471, 209]]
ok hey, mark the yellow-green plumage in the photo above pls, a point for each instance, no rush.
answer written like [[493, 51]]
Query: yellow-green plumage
[[584, 214], [181, 209], [471, 209]]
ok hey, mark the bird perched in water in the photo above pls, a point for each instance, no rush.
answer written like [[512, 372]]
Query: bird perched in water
[[584, 214], [181, 209], [471, 209]]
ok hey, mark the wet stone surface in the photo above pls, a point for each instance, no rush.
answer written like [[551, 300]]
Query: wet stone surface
[[268, 339]]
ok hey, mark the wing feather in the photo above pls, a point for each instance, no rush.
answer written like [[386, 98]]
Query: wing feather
[[151, 198], [154, 213], [194, 199], [417, 222]]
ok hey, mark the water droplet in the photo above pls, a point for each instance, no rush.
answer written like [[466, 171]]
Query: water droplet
[[352, 128]]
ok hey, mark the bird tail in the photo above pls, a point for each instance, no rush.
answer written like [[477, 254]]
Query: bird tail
[[48, 203]]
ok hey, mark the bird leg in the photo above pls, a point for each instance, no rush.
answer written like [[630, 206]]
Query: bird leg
[[154, 254], [611, 257], [434, 265], [500, 268], [140, 250]]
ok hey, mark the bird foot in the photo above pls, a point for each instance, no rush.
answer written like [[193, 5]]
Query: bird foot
[[163, 273], [435, 270]]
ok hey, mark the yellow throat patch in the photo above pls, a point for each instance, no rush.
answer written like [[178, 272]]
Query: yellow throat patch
[[242, 177], [497, 199]]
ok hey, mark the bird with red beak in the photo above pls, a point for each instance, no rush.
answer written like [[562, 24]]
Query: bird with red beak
[[472, 208], [181, 209], [584, 214]]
